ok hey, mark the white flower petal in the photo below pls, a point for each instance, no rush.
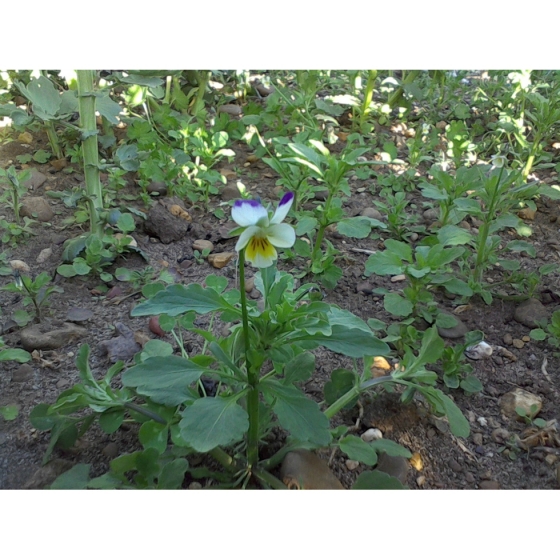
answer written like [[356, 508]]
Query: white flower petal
[[246, 236], [281, 235], [283, 208], [248, 212]]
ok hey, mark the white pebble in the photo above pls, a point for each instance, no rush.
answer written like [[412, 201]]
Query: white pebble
[[482, 421], [372, 434]]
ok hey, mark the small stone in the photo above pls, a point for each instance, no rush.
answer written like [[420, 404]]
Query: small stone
[[430, 215], [550, 459], [59, 164], [303, 470], [469, 477], [365, 288], [114, 292], [394, 466], [517, 343], [254, 294], [398, 278], [321, 194], [482, 421], [373, 434], [22, 373], [414, 237], [36, 180], [499, 435], [529, 312], [441, 425], [416, 461], [122, 347], [527, 214], [455, 466], [352, 465], [526, 338], [373, 213], [477, 438], [44, 476], [20, 266], [441, 125], [508, 339], [219, 260], [195, 486], [33, 338], [479, 351], [234, 110], [421, 480], [111, 450], [519, 398], [229, 192], [79, 315], [36, 207], [249, 284], [44, 255], [489, 485], [62, 383], [202, 244], [153, 325]]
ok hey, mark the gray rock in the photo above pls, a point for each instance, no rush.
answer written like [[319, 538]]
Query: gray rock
[[321, 194], [364, 288], [303, 470], [36, 180], [122, 347], [157, 188], [455, 466], [371, 213], [459, 330], [394, 466], [430, 215], [489, 485], [36, 207], [22, 373], [33, 338], [46, 475], [79, 315], [163, 225], [229, 192], [529, 312]]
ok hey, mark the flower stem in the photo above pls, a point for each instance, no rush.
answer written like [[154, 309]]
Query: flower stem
[[252, 376]]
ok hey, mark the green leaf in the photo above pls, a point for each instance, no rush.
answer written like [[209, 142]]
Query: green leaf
[[9, 412], [306, 225], [384, 263], [43, 95], [298, 414], [213, 421], [300, 368], [126, 223], [173, 474], [459, 287], [357, 227], [76, 478], [41, 419], [108, 108], [342, 381], [471, 384], [453, 235], [390, 447], [397, 305], [538, 334], [458, 424], [377, 480], [154, 434], [519, 245], [111, 420], [15, 354], [165, 380], [358, 450], [355, 343], [177, 299]]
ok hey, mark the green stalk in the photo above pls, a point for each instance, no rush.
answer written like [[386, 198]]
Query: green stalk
[[368, 96], [53, 139], [268, 479], [224, 459], [322, 228], [86, 100], [347, 398], [532, 155], [252, 376], [481, 256]]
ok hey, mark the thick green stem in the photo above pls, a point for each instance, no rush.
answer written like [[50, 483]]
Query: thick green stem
[[398, 93], [368, 96], [482, 254], [269, 480], [88, 124], [252, 376], [53, 139], [531, 159], [224, 459]]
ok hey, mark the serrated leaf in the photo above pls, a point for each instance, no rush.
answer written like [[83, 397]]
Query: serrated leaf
[[213, 421]]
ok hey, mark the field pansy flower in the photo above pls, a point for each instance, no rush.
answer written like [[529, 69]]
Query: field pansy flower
[[261, 234]]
